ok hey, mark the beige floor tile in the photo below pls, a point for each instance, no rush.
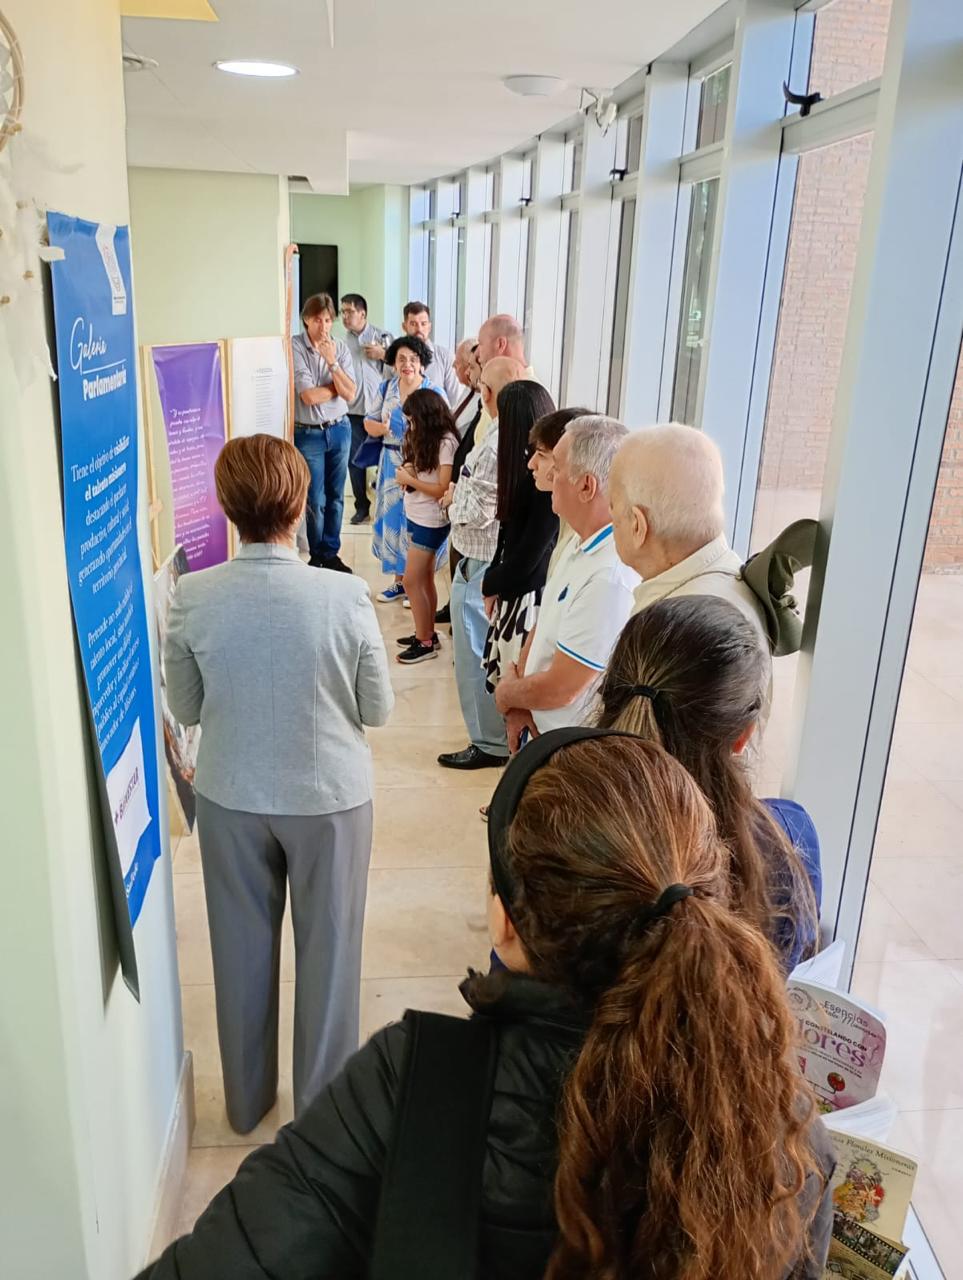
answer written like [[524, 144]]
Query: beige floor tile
[[209, 1169], [936, 750], [923, 1003], [406, 757], [425, 923], [885, 935], [928, 894], [918, 818], [427, 700], [385, 1000], [422, 827], [188, 855], [935, 1140]]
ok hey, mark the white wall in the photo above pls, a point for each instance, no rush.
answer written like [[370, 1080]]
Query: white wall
[[87, 1076]]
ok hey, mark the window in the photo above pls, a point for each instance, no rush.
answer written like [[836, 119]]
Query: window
[[849, 44], [568, 291], [487, 244], [528, 168], [526, 263], [695, 286], [628, 143], [623, 273], [489, 190], [572, 164], [813, 312], [430, 277], [459, 284], [713, 105]]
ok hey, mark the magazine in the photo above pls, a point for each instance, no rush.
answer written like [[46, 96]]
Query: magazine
[[872, 1185], [841, 1045], [857, 1253]]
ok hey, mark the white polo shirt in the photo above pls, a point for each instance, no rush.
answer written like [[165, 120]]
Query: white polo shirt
[[586, 603]]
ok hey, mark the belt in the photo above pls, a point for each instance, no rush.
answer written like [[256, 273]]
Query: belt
[[318, 426]]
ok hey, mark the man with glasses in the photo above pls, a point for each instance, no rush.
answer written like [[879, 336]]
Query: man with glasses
[[367, 345]]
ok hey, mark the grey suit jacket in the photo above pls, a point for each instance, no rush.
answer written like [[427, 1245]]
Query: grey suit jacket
[[281, 665]]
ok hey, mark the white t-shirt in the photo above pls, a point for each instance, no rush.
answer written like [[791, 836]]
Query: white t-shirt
[[586, 603], [421, 509]]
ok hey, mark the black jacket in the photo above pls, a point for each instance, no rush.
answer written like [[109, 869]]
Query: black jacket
[[304, 1207], [525, 543]]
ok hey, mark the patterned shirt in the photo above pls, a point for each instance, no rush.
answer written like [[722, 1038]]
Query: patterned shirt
[[474, 528]]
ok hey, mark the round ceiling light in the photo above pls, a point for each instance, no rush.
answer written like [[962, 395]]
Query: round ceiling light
[[534, 86], [268, 70]]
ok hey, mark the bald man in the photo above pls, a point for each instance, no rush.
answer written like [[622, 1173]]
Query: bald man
[[474, 535], [666, 493], [501, 335]]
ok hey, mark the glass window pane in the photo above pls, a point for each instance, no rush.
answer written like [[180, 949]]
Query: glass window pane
[[459, 284], [695, 287], [623, 273], [634, 150], [526, 261], [432, 244], [577, 164], [713, 105], [527, 171], [493, 274], [849, 44], [568, 167], [909, 953], [568, 316], [489, 189], [431, 202], [621, 158], [487, 266], [813, 312]]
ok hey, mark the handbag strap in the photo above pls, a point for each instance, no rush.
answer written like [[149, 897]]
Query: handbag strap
[[428, 1214]]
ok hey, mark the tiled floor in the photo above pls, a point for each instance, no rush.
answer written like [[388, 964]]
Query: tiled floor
[[425, 920]]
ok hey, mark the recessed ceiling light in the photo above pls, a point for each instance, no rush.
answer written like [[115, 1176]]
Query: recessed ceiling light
[[270, 70], [533, 86]]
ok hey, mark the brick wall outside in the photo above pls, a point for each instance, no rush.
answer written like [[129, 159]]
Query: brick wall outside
[[848, 49]]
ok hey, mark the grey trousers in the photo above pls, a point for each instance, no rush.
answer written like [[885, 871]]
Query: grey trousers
[[247, 858]]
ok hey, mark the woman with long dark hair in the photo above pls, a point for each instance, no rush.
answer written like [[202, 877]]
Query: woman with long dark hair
[[644, 1114], [427, 455], [527, 531], [690, 674]]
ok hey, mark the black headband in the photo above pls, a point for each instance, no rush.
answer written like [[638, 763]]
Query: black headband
[[509, 792]]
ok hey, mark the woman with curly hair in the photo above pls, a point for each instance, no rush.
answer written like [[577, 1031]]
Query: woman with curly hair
[[427, 456], [644, 1117], [409, 357]]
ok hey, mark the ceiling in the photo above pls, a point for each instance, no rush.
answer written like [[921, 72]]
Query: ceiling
[[406, 93]]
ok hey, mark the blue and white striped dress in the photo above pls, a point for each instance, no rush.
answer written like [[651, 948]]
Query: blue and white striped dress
[[390, 530]]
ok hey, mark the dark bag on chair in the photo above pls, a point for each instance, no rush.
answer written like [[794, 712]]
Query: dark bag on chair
[[428, 1214]]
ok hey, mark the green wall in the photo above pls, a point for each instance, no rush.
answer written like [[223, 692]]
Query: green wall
[[372, 252], [207, 251]]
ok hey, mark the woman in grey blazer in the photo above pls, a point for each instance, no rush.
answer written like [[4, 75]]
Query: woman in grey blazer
[[282, 665]]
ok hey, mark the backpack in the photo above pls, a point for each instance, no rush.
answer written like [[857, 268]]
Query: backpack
[[429, 1210]]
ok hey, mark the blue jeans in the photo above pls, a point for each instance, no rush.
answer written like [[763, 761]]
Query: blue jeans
[[469, 629], [326, 453]]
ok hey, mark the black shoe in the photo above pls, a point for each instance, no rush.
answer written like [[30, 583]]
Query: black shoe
[[336, 563], [471, 757], [417, 652], [443, 616], [360, 517], [407, 641]]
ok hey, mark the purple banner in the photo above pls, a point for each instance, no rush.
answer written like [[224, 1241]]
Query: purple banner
[[189, 382]]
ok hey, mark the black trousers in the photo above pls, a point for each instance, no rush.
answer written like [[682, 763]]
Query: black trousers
[[358, 475]]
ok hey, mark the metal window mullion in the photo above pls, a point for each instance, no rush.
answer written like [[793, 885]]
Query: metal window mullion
[[701, 165], [845, 115]]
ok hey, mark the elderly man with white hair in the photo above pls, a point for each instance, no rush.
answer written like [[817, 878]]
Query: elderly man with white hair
[[587, 599], [666, 496]]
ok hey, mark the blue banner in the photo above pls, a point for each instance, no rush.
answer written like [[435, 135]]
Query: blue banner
[[93, 311]]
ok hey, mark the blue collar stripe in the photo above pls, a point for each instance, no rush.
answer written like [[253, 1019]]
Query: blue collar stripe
[[599, 538]]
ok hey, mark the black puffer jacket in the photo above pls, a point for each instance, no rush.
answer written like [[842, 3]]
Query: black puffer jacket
[[304, 1207]]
